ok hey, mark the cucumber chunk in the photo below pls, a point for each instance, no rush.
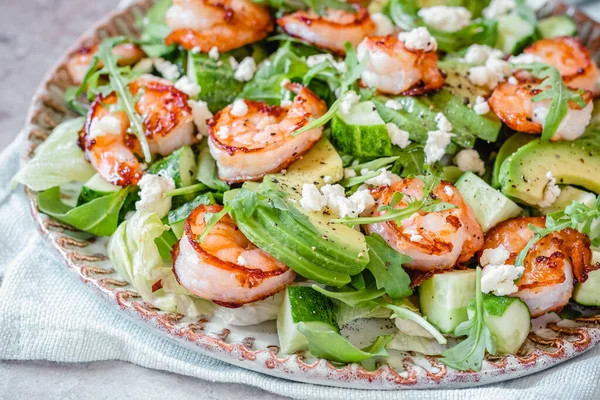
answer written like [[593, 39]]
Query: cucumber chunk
[[514, 33], [302, 304], [361, 133], [508, 320], [179, 165], [94, 188], [588, 292], [558, 25], [444, 298], [489, 205]]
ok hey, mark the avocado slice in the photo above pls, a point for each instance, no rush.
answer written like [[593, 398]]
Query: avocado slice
[[512, 144], [571, 163]]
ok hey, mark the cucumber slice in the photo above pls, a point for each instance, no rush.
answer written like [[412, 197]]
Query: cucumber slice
[[361, 133], [514, 33], [558, 25], [180, 165], [508, 320], [444, 298], [588, 292], [569, 194], [489, 205], [302, 304], [94, 188]]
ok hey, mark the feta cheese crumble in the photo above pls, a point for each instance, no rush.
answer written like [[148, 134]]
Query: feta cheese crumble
[[398, 137], [200, 114], [188, 86], [350, 99], [393, 105], [239, 108], [489, 75], [445, 18], [384, 25], [481, 106], [349, 173], [478, 54], [385, 178], [233, 63], [525, 58], [152, 190], [107, 125], [443, 123], [317, 59], [551, 192], [334, 198], [498, 8], [418, 39], [469, 160], [437, 141], [497, 277], [214, 53], [167, 69], [246, 70]]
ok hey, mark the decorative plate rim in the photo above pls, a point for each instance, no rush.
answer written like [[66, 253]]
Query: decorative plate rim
[[48, 109]]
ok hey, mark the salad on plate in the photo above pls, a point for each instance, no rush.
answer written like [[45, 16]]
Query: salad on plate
[[433, 166]]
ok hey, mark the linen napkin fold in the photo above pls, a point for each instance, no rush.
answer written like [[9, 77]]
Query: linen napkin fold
[[47, 313]]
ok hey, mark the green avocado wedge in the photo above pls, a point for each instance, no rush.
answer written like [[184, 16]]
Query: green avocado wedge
[[577, 163]]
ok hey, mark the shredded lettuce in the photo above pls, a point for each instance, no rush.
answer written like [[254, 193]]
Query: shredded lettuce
[[136, 257], [57, 161], [419, 344], [253, 313]]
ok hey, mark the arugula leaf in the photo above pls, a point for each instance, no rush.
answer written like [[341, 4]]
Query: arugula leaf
[[386, 266], [407, 314], [199, 187], [181, 213], [353, 297], [326, 343], [576, 216], [99, 217], [319, 6], [469, 354], [165, 243], [210, 220], [553, 88]]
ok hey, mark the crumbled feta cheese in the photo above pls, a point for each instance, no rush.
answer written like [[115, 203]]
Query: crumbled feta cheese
[[312, 199], [362, 201], [513, 81], [442, 122], [349, 173], [188, 86], [497, 256], [445, 18], [536, 4], [448, 190], [223, 132], [242, 261], [418, 39], [167, 69], [481, 106], [350, 99], [384, 25], [195, 50], [489, 75], [385, 178], [393, 105], [398, 137], [246, 70], [469, 160], [478, 54], [498, 8], [525, 58], [233, 63], [200, 114], [327, 179], [317, 59], [436, 144], [214, 53], [152, 190], [239, 108], [500, 279], [551, 192], [107, 125]]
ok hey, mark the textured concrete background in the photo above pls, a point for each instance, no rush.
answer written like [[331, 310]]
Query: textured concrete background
[[33, 34]]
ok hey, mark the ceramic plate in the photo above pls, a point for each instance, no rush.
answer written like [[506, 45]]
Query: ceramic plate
[[256, 347]]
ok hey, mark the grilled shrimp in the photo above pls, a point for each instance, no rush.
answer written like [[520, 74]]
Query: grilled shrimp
[[572, 60], [437, 240], [332, 30], [514, 105], [394, 69], [551, 266], [257, 141], [224, 24], [79, 62], [225, 268], [113, 151]]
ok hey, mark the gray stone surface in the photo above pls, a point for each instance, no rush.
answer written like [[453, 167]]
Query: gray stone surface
[[33, 33]]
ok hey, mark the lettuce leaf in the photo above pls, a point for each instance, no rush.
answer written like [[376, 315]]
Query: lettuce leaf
[[58, 160]]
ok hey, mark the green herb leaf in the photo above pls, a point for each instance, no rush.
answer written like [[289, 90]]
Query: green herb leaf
[[469, 354], [99, 217], [181, 213], [212, 219], [386, 266], [319, 6], [199, 187], [353, 297], [324, 342]]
